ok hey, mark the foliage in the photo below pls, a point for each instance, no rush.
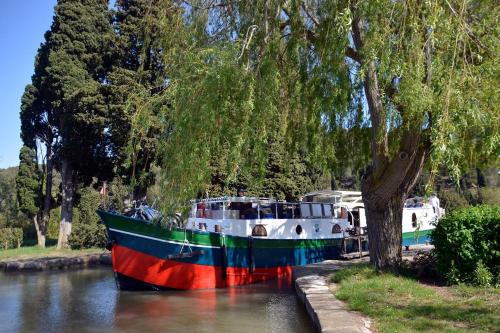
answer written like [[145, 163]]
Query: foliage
[[87, 230], [118, 194], [28, 183], [138, 73], [55, 218], [8, 198], [287, 175], [298, 69], [451, 199], [88, 204], [467, 245], [85, 236], [402, 304], [11, 238]]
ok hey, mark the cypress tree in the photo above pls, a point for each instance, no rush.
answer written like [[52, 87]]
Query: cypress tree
[[38, 127], [79, 54], [29, 192]]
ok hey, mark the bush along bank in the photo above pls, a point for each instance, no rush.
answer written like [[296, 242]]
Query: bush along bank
[[86, 236], [11, 238], [467, 246]]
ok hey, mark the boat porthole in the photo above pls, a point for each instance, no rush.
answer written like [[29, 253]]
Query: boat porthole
[[259, 230], [414, 220], [298, 229]]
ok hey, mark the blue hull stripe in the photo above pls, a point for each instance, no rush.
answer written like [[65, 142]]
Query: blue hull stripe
[[236, 257]]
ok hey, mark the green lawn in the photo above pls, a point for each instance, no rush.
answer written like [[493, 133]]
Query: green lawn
[[32, 252], [402, 304]]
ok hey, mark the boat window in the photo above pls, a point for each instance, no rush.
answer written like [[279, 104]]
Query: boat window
[[305, 210], [355, 215], [327, 209], [289, 210], [317, 210], [298, 229], [414, 220]]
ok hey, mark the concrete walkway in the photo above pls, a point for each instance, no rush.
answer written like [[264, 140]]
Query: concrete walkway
[[325, 310]]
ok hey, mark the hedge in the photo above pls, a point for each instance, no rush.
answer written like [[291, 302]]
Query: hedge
[[467, 245], [11, 238]]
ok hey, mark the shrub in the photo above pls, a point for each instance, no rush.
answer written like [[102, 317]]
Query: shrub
[[467, 245], [11, 238], [84, 236], [89, 203]]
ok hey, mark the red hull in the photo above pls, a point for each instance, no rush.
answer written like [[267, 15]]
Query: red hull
[[179, 275]]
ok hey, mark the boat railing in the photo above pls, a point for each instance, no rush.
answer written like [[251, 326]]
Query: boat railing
[[264, 208]]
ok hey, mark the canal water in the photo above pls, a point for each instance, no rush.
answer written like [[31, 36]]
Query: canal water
[[87, 301]]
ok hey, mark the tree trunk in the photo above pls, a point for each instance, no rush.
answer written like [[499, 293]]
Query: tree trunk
[[392, 176], [67, 203], [385, 227], [40, 234], [47, 200]]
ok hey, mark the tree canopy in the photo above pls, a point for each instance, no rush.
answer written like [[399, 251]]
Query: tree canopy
[[267, 94], [410, 84]]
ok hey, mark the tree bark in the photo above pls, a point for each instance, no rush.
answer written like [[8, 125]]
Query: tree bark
[[40, 232], [384, 199], [67, 203], [47, 200], [385, 233]]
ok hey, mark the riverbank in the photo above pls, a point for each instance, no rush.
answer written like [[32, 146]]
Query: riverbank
[[413, 306], [34, 258], [327, 313]]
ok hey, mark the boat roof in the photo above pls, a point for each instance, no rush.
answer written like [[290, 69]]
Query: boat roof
[[235, 199]]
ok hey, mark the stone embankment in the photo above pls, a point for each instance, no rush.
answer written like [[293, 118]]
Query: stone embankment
[[327, 313], [53, 263]]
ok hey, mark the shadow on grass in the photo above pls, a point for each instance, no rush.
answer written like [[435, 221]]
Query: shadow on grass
[[32, 242]]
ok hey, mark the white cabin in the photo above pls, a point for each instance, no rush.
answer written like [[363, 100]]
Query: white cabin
[[269, 218]]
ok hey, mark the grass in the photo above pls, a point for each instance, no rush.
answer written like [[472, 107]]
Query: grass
[[35, 252], [402, 304]]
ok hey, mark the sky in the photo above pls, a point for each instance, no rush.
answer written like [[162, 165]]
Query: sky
[[22, 25]]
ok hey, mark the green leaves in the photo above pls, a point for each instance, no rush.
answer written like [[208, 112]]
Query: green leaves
[[466, 244], [28, 183]]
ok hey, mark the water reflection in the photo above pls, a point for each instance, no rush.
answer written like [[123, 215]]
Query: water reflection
[[87, 301]]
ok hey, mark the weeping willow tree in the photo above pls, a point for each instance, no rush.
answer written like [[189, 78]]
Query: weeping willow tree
[[400, 85]]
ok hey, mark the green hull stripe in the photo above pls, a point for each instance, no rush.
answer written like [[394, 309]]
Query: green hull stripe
[[207, 238], [421, 233]]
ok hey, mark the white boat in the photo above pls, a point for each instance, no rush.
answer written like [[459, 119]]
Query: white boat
[[419, 216]]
